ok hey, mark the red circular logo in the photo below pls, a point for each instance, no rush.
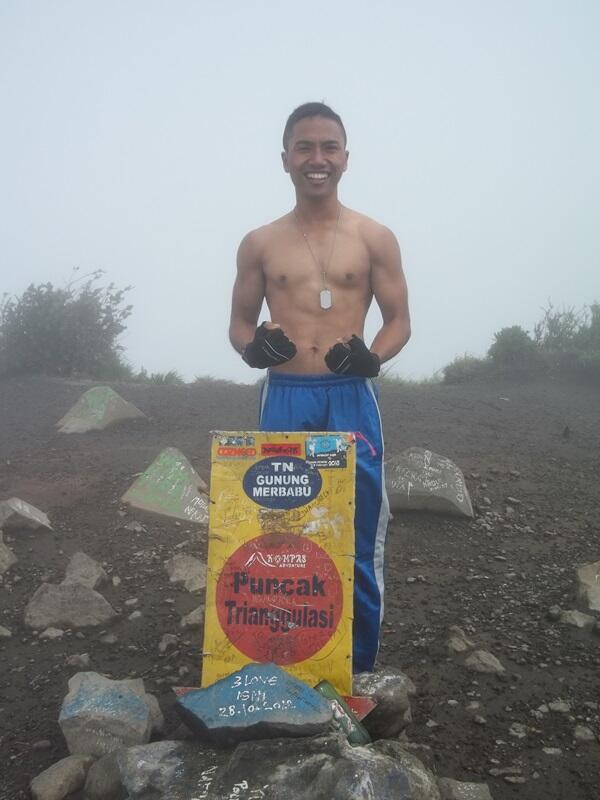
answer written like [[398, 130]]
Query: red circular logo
[[279, 598]]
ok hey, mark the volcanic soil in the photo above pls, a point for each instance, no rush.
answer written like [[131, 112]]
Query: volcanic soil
[[496, 576]]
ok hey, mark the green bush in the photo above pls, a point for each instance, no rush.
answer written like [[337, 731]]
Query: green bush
[[513, 350], [559, 330], [70, 331], [465, 369]]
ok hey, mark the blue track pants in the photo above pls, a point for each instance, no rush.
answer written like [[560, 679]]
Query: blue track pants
[[338, 403]]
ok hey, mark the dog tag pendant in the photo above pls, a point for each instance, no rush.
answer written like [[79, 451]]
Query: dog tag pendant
[[325, 298]]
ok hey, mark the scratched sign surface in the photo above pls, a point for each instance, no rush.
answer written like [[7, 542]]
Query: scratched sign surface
[[170, 486], [281, 555]]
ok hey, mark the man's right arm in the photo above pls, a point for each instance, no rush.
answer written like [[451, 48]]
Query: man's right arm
[[248, 292]]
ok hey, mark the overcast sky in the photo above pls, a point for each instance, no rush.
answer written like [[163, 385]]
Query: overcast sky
[[144, 138]]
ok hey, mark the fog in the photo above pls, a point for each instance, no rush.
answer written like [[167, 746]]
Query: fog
[[144, 138]]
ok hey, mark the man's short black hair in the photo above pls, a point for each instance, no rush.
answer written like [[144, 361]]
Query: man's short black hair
[[310, 110]]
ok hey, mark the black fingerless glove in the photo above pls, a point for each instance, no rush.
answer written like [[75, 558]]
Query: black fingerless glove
[[269, 348], [353, 358]]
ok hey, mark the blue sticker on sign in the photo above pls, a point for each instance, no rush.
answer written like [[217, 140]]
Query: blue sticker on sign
[[282, 482]]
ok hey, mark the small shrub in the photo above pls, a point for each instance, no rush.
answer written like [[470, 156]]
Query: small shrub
[[465, 369], [559, 330], [171, 378]]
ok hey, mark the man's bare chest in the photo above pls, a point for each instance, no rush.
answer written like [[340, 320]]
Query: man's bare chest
[[290, 261]]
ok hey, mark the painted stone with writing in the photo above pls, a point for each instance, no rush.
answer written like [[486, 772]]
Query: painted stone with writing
[[258, 701], [391, 690], [173, 770], [316, 768], [100, 715], [172, 487], [95, 410], [421, 480]]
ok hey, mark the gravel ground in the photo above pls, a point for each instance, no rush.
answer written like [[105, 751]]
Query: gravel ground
[[495, 576]]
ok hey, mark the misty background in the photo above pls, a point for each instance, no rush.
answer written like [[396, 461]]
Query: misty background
[[144, 138]]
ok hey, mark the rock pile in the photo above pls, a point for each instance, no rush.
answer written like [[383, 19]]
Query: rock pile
[[107, 725]]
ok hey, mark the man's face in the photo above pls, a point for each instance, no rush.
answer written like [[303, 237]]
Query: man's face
[[316, 156]]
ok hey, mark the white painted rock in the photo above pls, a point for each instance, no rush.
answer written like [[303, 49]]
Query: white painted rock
[[187, 570], [421, 480], [588, 585], [62, 778], [483, 661], [71, 605], [100, 715], [95, 410], [83, 569], [16, 513]]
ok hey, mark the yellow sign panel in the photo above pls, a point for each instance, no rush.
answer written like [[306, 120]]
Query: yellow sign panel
[[281, 555]]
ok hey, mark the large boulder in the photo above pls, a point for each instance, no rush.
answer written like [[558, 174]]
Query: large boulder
[[419, 479], [68, 604], [315, 768], [421, 780], [391, 690], [588, 585], [100, 715], [319, 768], [95, 410], [173, 770]]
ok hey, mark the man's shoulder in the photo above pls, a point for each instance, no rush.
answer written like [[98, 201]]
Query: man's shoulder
[[263, 234], [369, 229]]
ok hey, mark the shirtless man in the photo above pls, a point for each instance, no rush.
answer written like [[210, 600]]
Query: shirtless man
[[319, 267]]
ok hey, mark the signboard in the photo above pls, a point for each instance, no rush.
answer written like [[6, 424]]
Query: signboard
[[281, 555]]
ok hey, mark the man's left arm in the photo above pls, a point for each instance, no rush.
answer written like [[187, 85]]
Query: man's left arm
[[390, 292]]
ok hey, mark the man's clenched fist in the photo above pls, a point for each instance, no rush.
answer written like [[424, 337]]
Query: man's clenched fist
[[269, 348], [353, 358]]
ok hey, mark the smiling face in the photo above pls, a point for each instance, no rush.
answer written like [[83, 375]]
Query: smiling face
[[316, 156]]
